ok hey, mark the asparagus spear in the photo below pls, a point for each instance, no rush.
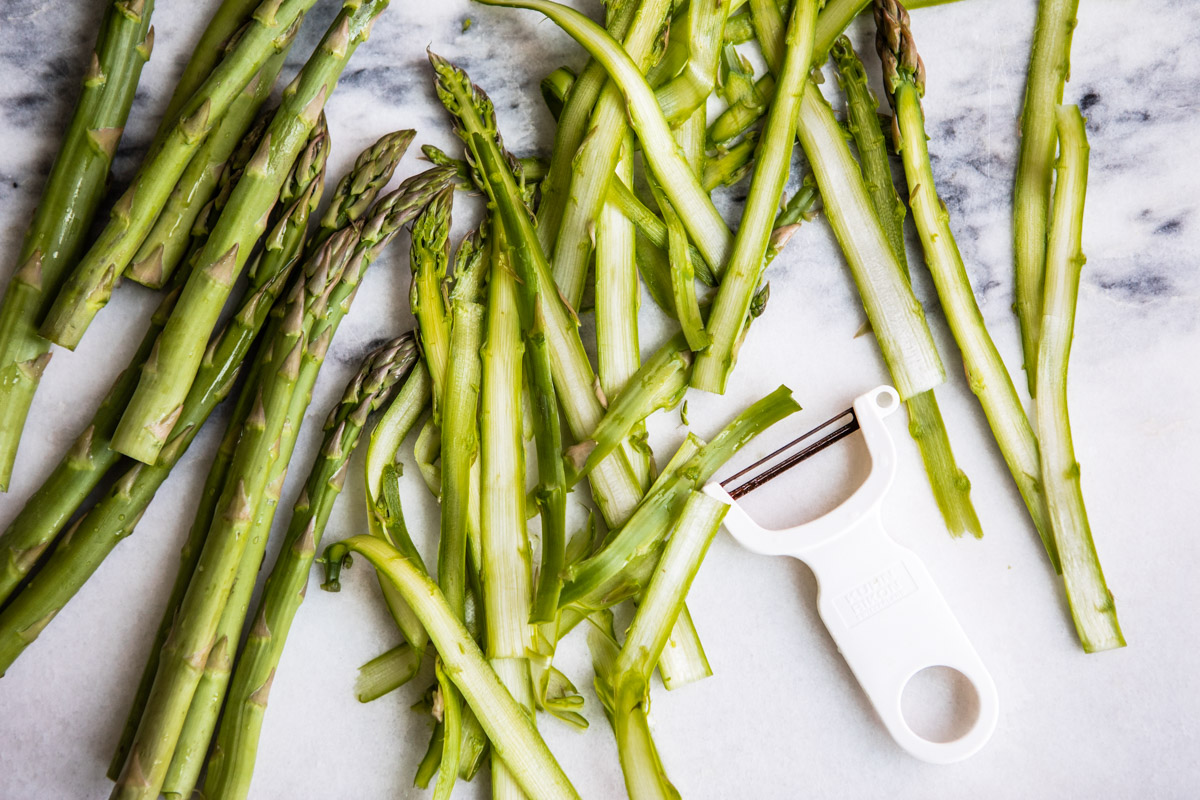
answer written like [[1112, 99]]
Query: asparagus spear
[[232, 761], [951, 487], [1049, 68], [429, 258], [70, 197], [773, 160], [1091, 602], [681, 185], [904, 77], [167, 242], [284, 244], [166, 378], [623, 683], [90, 285], [511, 731], [193, 635]]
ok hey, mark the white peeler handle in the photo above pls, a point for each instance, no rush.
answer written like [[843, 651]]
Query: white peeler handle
[[877, 599]]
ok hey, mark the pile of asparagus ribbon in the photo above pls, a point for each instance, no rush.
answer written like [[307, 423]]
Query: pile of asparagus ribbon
[[253, 293]]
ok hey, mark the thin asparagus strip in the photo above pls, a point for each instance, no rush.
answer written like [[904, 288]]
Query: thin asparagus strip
[[654, 229], [617, 301], [232, 762], [193, 634], [77, 556], [951, 487], [705, 226], [1091, 602], [279, 257], [597, 157], [387, 672], [511, 731], [451, 722], [989, 379], [611, 573], [689, 90], [683, 278], [659, 383], [429, 258], [167, 242], [209, 51], [731, 164], [625, 690], [772, 164], [573, 125], [555, 88], [738, 29], [166, 378], [1049, 68], [69, 201], [91, 283], [614, 486]]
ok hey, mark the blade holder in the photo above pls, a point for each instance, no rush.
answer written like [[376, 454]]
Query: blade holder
[[876, 597]]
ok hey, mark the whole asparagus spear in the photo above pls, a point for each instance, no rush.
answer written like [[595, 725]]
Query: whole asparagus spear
[[69, 200], [232, 761], [94, 277], [166, 378]]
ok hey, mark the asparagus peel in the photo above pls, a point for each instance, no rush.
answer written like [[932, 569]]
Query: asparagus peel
[[772, 165], [1049, 68], [64, 214], [904, 76], [166, 378], [689, 89], [951, 487], [91, 283], [1091, 601]]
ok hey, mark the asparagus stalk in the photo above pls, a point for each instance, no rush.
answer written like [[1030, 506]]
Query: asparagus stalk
[[90, 285], [680, 184], [683, 277], [683, 94], [193, 635], [951, 487], [904, 76], [511, 731], [624, 686], [231, 764], [1049, 68], [279, 256], [77, 556], [728, 316], [70, 197], [1091, 602], [429, 258], [166, 378], [166, 245]]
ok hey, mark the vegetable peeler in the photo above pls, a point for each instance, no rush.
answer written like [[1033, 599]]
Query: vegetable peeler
[[877, 599]]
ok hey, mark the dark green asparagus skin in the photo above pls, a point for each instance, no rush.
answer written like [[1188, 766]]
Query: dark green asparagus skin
[[69, 200], [232, 760]]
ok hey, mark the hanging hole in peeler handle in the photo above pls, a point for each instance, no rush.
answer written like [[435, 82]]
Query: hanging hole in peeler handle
[[940, 704], [886, 398]]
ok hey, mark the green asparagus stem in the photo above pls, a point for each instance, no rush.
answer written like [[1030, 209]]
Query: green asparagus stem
[[429, 258], [951, 487], [680, 184], [738, 29], [167, 242], [1091, 602], [94, 277], [77, 556], [904, 76], [1049, 68], [193, 635], [69, 200], [451, 724], [772, 164], [619, 568], [511, 731], [683, 277], [555, 88], [689, 89], [232, 762], [625, 688], [358, 188], [654, 229], [387, 672], [660, 383], [284, 244], [166, 378]]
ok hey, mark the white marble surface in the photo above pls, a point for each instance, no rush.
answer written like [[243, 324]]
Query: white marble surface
[[783, 716]]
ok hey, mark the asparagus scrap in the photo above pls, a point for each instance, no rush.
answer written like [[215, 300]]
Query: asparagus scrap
[[1049, 68], [1091, 602], [166, 378], [69, 201]]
